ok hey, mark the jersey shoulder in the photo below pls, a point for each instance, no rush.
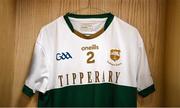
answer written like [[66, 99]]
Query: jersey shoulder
[[53, 24], [128, 31], [122, 24]]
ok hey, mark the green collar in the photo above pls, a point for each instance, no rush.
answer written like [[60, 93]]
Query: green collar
[[109, 17]]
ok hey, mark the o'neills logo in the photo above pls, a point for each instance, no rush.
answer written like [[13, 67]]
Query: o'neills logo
[[114, 57], [89, 77]]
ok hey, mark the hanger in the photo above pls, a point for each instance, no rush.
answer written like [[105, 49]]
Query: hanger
[[89, 7]]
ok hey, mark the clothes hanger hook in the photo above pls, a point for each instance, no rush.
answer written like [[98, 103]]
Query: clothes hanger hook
[[89, 3]]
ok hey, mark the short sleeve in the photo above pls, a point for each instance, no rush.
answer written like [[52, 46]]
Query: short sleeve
[[38, 74], [145, 85]]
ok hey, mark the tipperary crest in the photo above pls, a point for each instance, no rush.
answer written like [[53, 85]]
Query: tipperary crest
[[115, 54], [114, 57]]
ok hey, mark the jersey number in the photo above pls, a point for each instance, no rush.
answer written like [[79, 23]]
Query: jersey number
[[91, 57]]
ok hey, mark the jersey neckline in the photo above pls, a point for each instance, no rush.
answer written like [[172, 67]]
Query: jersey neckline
[[109, 17]]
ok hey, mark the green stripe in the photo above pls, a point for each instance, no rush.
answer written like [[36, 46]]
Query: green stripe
[[98, 95], [28, 91], [147, 91]]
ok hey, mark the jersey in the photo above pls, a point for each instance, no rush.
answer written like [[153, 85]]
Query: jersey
[[89, 60]]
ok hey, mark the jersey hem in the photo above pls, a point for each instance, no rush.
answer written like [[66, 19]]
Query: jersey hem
[[147, 91]]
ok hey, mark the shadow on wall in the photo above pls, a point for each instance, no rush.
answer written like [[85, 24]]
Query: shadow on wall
[[24, 101]]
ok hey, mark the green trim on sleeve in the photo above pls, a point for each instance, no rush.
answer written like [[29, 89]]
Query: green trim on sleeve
[[28, 91], [147, 91]]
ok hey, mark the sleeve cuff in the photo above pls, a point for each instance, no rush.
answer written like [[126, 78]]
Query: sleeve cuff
[[28, 91], [147, 91]]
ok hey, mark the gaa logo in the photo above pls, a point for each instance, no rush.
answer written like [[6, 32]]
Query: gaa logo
[[63, 56]]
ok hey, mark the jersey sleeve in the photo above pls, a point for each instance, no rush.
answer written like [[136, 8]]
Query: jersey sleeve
[[38, 74], [145, 85]]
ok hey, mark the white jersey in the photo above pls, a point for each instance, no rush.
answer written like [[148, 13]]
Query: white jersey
[[89, 60]]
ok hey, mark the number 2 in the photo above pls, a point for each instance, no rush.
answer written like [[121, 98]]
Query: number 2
[[91, 56]]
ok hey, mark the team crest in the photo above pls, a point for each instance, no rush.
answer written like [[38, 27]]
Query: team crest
[[115, 54], [114, 57]]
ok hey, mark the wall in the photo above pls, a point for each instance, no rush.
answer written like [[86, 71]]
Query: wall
[[172, 54], [31, 15], [21, 21], [7, 37]]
